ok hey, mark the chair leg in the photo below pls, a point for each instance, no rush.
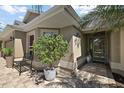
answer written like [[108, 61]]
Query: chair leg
[[19, 68], [13, 65], [31, 67]]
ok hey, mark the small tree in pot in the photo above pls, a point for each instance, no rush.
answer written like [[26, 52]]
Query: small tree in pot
[[49, 50], [8, 56]]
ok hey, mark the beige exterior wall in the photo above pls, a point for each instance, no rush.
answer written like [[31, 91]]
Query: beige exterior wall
[[122, 47], [67, 33], [115, 47], [73, 36], [9, 44], [21, 35], [37, 32], [117, 64]]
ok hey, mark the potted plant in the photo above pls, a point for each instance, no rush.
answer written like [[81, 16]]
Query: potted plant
[[49, 50], [8, 56]]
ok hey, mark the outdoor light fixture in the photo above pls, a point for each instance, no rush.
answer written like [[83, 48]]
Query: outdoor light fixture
[[11, 38]]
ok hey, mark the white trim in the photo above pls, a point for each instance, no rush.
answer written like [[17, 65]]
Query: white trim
[[116, 65]]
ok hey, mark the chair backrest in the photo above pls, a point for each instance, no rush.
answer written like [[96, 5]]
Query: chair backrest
[[18, 49]]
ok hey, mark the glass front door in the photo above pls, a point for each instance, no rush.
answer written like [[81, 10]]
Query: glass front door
[[97, 46]]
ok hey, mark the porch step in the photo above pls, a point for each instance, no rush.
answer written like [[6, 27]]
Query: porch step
[[63, 72]]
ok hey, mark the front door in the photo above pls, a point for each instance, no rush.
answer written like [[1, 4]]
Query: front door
[[97, 47]]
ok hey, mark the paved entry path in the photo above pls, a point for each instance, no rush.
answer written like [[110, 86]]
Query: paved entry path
[[91, 75], [96, 75]]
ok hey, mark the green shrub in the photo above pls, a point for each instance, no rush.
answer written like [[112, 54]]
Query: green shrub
[[50, 49], [7, 51]]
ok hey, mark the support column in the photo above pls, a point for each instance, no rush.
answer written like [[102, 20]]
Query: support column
[[122, 47], [3, 44]]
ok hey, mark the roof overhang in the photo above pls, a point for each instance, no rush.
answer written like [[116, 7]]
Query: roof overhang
[[92, 30], [5, 35], [29, 16], [56, 17]]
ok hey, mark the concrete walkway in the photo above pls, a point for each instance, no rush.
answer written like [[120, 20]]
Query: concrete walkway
[[91, 75], [97, 75]]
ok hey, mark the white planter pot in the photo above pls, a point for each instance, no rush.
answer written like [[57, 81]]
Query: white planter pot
[[50, 74], [89, 59]]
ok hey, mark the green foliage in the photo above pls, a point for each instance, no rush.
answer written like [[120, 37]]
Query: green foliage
[[7, 51], [50, 49], [111, 15]]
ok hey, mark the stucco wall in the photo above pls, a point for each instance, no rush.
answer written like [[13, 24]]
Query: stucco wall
[[21, 35], [118, 52], [68, 33], [9, 44], [37, 32], [115, 47], [122, 47], [71, 34]]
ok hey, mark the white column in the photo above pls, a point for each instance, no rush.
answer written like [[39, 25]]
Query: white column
[[122, 47], [3, 44]]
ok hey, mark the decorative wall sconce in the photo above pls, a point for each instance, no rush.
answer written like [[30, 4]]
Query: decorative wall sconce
[[11, 38]]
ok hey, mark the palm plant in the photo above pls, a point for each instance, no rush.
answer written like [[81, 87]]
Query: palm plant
[[7, 51], [109, 15]]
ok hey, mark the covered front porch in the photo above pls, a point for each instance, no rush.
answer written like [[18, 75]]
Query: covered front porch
[[98, 46]]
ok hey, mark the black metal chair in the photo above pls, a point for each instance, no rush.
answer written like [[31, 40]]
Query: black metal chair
[[20, 59], [21, 63]]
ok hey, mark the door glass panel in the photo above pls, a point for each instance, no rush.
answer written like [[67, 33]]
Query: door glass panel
[[97, 48]]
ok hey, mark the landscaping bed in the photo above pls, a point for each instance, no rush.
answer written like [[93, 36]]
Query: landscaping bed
[[118, 78]]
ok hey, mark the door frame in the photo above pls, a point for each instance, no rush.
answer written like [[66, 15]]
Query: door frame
[[31, 41], [106, 35]]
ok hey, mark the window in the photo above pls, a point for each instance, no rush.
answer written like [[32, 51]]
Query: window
[[49, 33], [31, 44], [31, 40]]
